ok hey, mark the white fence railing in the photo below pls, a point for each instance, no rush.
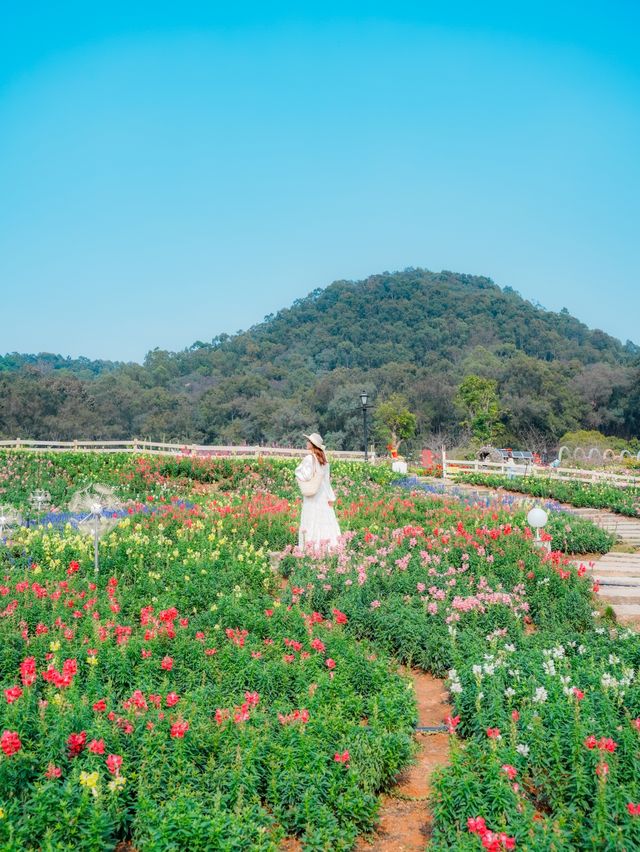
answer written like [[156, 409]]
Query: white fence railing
[[453, 466], [160, 448]]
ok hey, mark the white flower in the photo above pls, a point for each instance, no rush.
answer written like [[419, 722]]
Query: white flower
[[522, 749], [489, 669], [477, 671], [607, 680], [509, 692], [613, 659], [600, 630], [582, 649], [549, 667], [541, 695], [510, 648], [456, 687]]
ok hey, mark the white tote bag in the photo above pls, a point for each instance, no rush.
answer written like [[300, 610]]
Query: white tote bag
[[310, 487]]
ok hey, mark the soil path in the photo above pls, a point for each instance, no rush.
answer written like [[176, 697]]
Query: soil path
[[404, 818]]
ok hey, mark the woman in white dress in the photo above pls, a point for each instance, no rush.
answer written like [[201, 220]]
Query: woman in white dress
[[318, 523]]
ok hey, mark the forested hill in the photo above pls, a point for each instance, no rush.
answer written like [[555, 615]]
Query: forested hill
[[413, 332]]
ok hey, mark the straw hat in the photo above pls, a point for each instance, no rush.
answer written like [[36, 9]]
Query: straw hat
[[316, 440]]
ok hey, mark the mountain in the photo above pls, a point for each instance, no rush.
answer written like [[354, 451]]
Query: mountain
[[414, 332]]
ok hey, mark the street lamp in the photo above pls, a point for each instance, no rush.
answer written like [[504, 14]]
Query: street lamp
[[537, 518], [364, 399]]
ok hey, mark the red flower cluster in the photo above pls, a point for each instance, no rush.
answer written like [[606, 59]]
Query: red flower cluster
[[96, 746], [28, 671], [634, 810], [12, 694], [603, 744], [114, 762], [493, 733], [10, 742], [339, 617], [237, 636], [65, 677], [76, 743], [452, 723], [179, 729], [295, 716], [491, 840], [342, 758]]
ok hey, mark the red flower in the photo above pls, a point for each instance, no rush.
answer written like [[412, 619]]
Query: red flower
[[510, 771], [96, 746], [12, 694], [100, 706], [10, 742], [452, 723], [317, 645], [602, 770], [342, 758], [340, 617], [515, 715], [179, 729], [591, 741], [330, 663], [579, 694], [167, 664], [76, 743], [53, 771], [476, 825], [28, 671], [114, 762], [172, 699], [634, 810], [493, 733]]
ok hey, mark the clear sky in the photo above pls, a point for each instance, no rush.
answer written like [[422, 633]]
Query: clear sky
[[170, 171]]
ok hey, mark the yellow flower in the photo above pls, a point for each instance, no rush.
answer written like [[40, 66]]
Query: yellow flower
[[92, 661], [117, 783], [2, 813], [89, 779], [54, 646]]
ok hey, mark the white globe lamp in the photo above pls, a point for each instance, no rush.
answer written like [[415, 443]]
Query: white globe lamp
[[537, 518]]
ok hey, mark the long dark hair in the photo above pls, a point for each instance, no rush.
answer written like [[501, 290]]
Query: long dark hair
[[319, 454]]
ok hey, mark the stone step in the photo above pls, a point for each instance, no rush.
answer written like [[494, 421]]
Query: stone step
[[609, 573], [628, 614], [620, 594], [611, 581]]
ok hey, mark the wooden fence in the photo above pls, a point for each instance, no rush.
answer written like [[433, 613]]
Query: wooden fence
[[453, 466], [159, 448]]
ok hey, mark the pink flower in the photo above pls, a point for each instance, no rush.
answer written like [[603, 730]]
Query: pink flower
[[167, 664], [12, 694], [53, 771], [602, 770], [330, 663], [96, 746], [578, 693], [318, 645], [510, 771], [452, 722], [114, 762], [375, 604]]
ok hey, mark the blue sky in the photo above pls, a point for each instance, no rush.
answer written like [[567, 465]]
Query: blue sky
[[176, 170]]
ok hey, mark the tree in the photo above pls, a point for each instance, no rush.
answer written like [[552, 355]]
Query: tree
[[394, 422], [478, 400]]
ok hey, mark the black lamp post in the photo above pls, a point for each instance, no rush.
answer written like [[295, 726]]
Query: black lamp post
[[364, 399]]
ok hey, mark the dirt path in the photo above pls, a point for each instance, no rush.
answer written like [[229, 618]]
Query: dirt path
[[404, 819]]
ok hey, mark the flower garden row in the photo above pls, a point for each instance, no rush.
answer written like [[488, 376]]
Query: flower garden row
[[183, 699], [623, 501]]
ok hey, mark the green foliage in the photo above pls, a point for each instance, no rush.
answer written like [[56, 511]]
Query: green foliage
[[394, 422], [478, 399], [415, 333]]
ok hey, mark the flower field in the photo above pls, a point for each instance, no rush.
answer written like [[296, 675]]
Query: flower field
[[623, 501], [190, 697]]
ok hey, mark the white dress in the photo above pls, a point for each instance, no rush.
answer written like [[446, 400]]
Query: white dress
[[318, 523]]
